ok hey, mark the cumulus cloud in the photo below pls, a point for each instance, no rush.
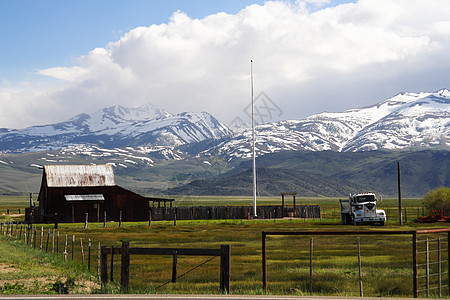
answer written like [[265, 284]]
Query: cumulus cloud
[[306, 61]]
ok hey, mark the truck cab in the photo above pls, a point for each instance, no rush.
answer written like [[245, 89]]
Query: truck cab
[[361, 208]]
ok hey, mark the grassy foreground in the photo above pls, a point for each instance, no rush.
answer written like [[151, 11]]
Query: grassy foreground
[[29, 271], [386, 260]]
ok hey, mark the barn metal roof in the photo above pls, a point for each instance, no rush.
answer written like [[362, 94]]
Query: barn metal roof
[[79, 175]]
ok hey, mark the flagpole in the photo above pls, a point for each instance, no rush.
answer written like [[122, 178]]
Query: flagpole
[[253, 142]]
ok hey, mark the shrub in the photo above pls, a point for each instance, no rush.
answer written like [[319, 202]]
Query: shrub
[[438, 199]]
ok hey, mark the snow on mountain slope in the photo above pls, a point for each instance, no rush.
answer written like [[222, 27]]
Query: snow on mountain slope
[[407, 120], [116, 126]]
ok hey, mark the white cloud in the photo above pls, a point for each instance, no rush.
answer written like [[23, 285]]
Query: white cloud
[[331, 59]]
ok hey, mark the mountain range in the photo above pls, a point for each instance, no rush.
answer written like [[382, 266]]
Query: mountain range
[[155, 151]]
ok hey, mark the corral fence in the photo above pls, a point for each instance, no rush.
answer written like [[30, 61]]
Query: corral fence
[[428, 247], [232, 212], [125, 251]]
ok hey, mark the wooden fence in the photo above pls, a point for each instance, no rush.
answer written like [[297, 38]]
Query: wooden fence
[[232, 212], [126, 251]]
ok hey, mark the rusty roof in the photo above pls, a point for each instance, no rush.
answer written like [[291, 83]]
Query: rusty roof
[[79, 175]]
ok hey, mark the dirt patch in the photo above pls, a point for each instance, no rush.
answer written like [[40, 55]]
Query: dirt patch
[[45, 284], [7, 268]]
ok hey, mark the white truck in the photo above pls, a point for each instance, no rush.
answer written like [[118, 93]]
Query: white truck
[[361, 208]]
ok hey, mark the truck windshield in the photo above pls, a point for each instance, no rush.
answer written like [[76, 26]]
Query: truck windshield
[[365, 198]]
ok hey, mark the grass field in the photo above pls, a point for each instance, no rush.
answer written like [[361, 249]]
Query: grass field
[[386, 260]]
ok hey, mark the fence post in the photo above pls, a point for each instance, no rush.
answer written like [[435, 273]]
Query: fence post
[[104, 218], [65, 249], [53, 241], [73, 242], [125, 267], [120, 219], [427, 262], [89, 256], [86, 221], [174, 266], [360, 274], [414, 255], [311, 243], [82, 250], [48, 237], [225, 268], [448, 260], [104, 265], [42, 237], [98, 262], [264, 262], [112, 265], [439, 266]]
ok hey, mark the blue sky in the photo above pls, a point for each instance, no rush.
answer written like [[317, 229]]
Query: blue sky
[[45, 33], [310, 55]]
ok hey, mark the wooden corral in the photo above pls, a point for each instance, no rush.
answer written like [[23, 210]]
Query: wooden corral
[[69, 192]]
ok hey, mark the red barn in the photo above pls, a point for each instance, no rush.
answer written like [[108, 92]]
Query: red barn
[[69, 192]]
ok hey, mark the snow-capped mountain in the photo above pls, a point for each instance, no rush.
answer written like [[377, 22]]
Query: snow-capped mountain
[[116, 126], [407, 120]]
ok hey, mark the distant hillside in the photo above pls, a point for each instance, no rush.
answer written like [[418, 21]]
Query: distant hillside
[[270, 182], [329, 173]]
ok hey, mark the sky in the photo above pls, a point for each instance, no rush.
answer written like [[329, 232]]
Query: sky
[[62, 58]]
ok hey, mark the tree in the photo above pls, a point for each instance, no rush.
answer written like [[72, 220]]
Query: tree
[[438, 199]]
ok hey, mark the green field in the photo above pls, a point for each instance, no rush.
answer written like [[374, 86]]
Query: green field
[[386, 260]]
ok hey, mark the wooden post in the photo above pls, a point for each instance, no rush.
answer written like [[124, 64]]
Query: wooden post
[[42, 237], [400, 220], [310, 264], [103, 265], [53, 241], [439, 267], [34, 233], [174, 266], [73, 243], [120, 219], [65, 249], [125, 270], [414, 255], [104, 218], [427, 262], [150, 217], [293, 198], [448, 261], [264, 262], [175, 219], [360, 273], [98, 261], [86, 221], [282, 205], [112, 265], [73, 213], [57, 241], [89, 256], [82, 250], [225, 260], [48, 238], [20, 232]]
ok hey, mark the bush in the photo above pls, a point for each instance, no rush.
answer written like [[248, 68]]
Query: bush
[[438, 199]]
